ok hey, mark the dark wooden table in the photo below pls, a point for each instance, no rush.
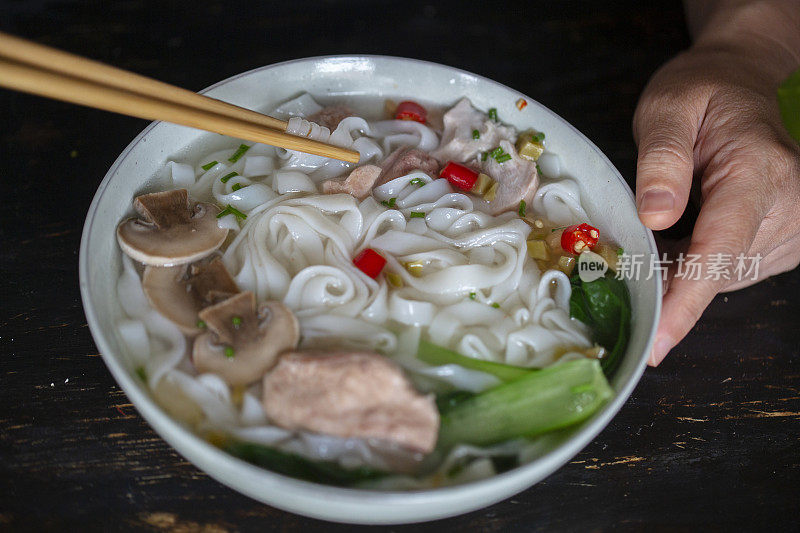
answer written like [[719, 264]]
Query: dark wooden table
[[708, 440]]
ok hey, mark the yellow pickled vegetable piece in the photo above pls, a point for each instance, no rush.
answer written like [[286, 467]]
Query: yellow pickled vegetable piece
[[566, 263], [538, 250], [483, 184], [394, 279], [529, 146], [491, 193], [414, 268], [608, 253]]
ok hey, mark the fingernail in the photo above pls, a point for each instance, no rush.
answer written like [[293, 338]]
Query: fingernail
[[661, 348], [656, 201]]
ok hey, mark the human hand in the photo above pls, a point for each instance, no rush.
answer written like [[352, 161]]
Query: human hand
[[711, 115]]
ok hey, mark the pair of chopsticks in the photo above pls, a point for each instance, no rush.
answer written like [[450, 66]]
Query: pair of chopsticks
[[43, 71]]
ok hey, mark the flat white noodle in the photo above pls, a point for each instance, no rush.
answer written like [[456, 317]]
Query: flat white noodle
[[560, 202]]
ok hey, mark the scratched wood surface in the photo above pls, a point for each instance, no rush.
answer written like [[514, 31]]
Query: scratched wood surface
[[708, 440]]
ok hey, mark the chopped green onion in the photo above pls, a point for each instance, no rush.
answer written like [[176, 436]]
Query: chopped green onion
[[390, 202], [472, 295], [503, 158], [493, 114], [209, 166], [538, 137], [538, 169], [521, 209], [226, 177], [620, 250], [238, 153], [237, 321], [417, 181], [229, 353], [200, 324], [558, 228], [483, 156], [497, 152], [141, 373], [476, 134], [237, 186], [230, 210], [417, 214], [496, 305]]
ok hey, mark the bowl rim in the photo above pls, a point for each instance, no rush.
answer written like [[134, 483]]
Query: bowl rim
[[178, 436]]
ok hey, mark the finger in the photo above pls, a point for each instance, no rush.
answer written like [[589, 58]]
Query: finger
[[725, 228], [665, 130], [782, 259]]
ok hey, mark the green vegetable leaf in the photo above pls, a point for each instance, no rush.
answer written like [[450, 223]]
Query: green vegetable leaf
[[437, 356], [449, 400], [605, 306], [293, 465], [541, 401]]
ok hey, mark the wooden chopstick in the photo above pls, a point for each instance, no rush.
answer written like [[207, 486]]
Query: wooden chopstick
[[37, 69]]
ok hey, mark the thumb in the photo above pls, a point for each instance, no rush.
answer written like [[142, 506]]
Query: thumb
[[665, 132], [724, 232]]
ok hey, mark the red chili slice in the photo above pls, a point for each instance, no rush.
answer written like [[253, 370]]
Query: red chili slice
[[579, 237], [459, 176], [409, 110], [370, 262]]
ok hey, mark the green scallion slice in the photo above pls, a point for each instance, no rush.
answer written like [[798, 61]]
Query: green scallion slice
[[209, 166], [496, 305], [238, 153], [417, 181], [503, 158], [226, 177], [476, 134], [236, 321], [473, 295], [237, 186], [417, 214], [390, 202], [141, 373], [521, 209], [484, 155], [230, 210], [229, 353], [200, 324], [493, 114]]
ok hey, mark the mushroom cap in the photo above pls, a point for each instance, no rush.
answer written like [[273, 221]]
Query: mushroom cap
[[181, 292], [259, 338], [172, 231]]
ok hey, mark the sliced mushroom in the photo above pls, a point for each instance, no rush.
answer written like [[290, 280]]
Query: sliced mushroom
[[243, 342], [173, 230], [350, 394], [181, 292]]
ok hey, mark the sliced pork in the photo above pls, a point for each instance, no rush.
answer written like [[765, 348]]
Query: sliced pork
[[517, 179], [330, 116], [359, 183], [350, 394], [404, 160], [458, 139]]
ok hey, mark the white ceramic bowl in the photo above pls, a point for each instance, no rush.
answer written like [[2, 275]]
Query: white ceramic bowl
[[140, 167]]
